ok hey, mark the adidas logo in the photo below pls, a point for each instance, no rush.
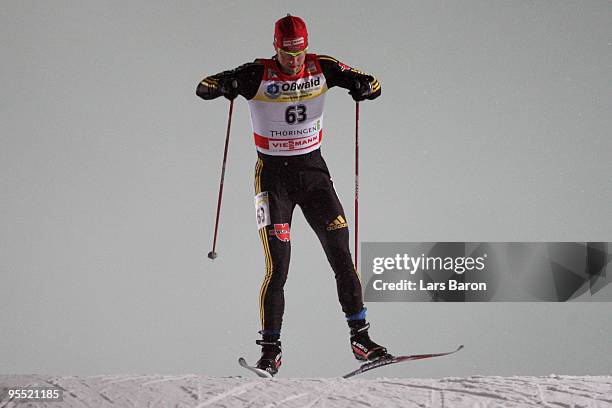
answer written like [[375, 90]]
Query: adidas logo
[[338, 223]]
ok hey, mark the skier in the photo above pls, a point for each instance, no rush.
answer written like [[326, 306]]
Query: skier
[[285, 96]]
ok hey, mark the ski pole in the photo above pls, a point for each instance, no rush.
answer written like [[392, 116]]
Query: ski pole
[[356, 184], [212, 254]]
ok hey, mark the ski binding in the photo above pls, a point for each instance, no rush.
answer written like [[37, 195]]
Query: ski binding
[[390, 359]]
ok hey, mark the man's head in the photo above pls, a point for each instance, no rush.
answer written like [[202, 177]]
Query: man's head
[[290, 43]]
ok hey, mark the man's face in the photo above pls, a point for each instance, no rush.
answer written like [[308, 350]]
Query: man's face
[[291, 63]]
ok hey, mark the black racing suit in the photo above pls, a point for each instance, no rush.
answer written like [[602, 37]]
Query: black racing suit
[[302, 180]]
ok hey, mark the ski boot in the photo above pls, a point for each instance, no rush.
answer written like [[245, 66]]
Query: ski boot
[[363, 347], [271, 354]]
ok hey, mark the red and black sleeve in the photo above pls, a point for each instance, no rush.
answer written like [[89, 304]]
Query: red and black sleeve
[[248, 77], [339, 74]]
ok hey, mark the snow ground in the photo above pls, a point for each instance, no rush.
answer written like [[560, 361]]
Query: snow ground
[[246, 391]]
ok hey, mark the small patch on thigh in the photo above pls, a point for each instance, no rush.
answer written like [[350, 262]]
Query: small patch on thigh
[[262, 209], [281, 231]]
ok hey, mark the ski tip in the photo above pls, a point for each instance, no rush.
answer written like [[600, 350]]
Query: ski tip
[[259, 372], [460, 347]]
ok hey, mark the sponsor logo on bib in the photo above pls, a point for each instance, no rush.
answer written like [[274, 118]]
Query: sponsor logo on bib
[[272, 91]]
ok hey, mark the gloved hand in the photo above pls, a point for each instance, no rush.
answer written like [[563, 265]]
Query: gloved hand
[[229, 88], [360, 90]]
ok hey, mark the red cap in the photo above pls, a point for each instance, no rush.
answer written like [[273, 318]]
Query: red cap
[[290, 34]]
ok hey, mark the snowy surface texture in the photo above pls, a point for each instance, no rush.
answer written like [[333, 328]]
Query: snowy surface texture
[[245, 391]]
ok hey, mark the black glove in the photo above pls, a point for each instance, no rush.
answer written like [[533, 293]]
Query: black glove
[[360, 90], [229, 88]]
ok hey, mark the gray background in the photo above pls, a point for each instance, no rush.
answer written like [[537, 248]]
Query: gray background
[[494, 125]]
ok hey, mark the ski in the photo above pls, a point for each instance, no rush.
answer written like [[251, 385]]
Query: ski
[[261, 373], [389, 359]]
